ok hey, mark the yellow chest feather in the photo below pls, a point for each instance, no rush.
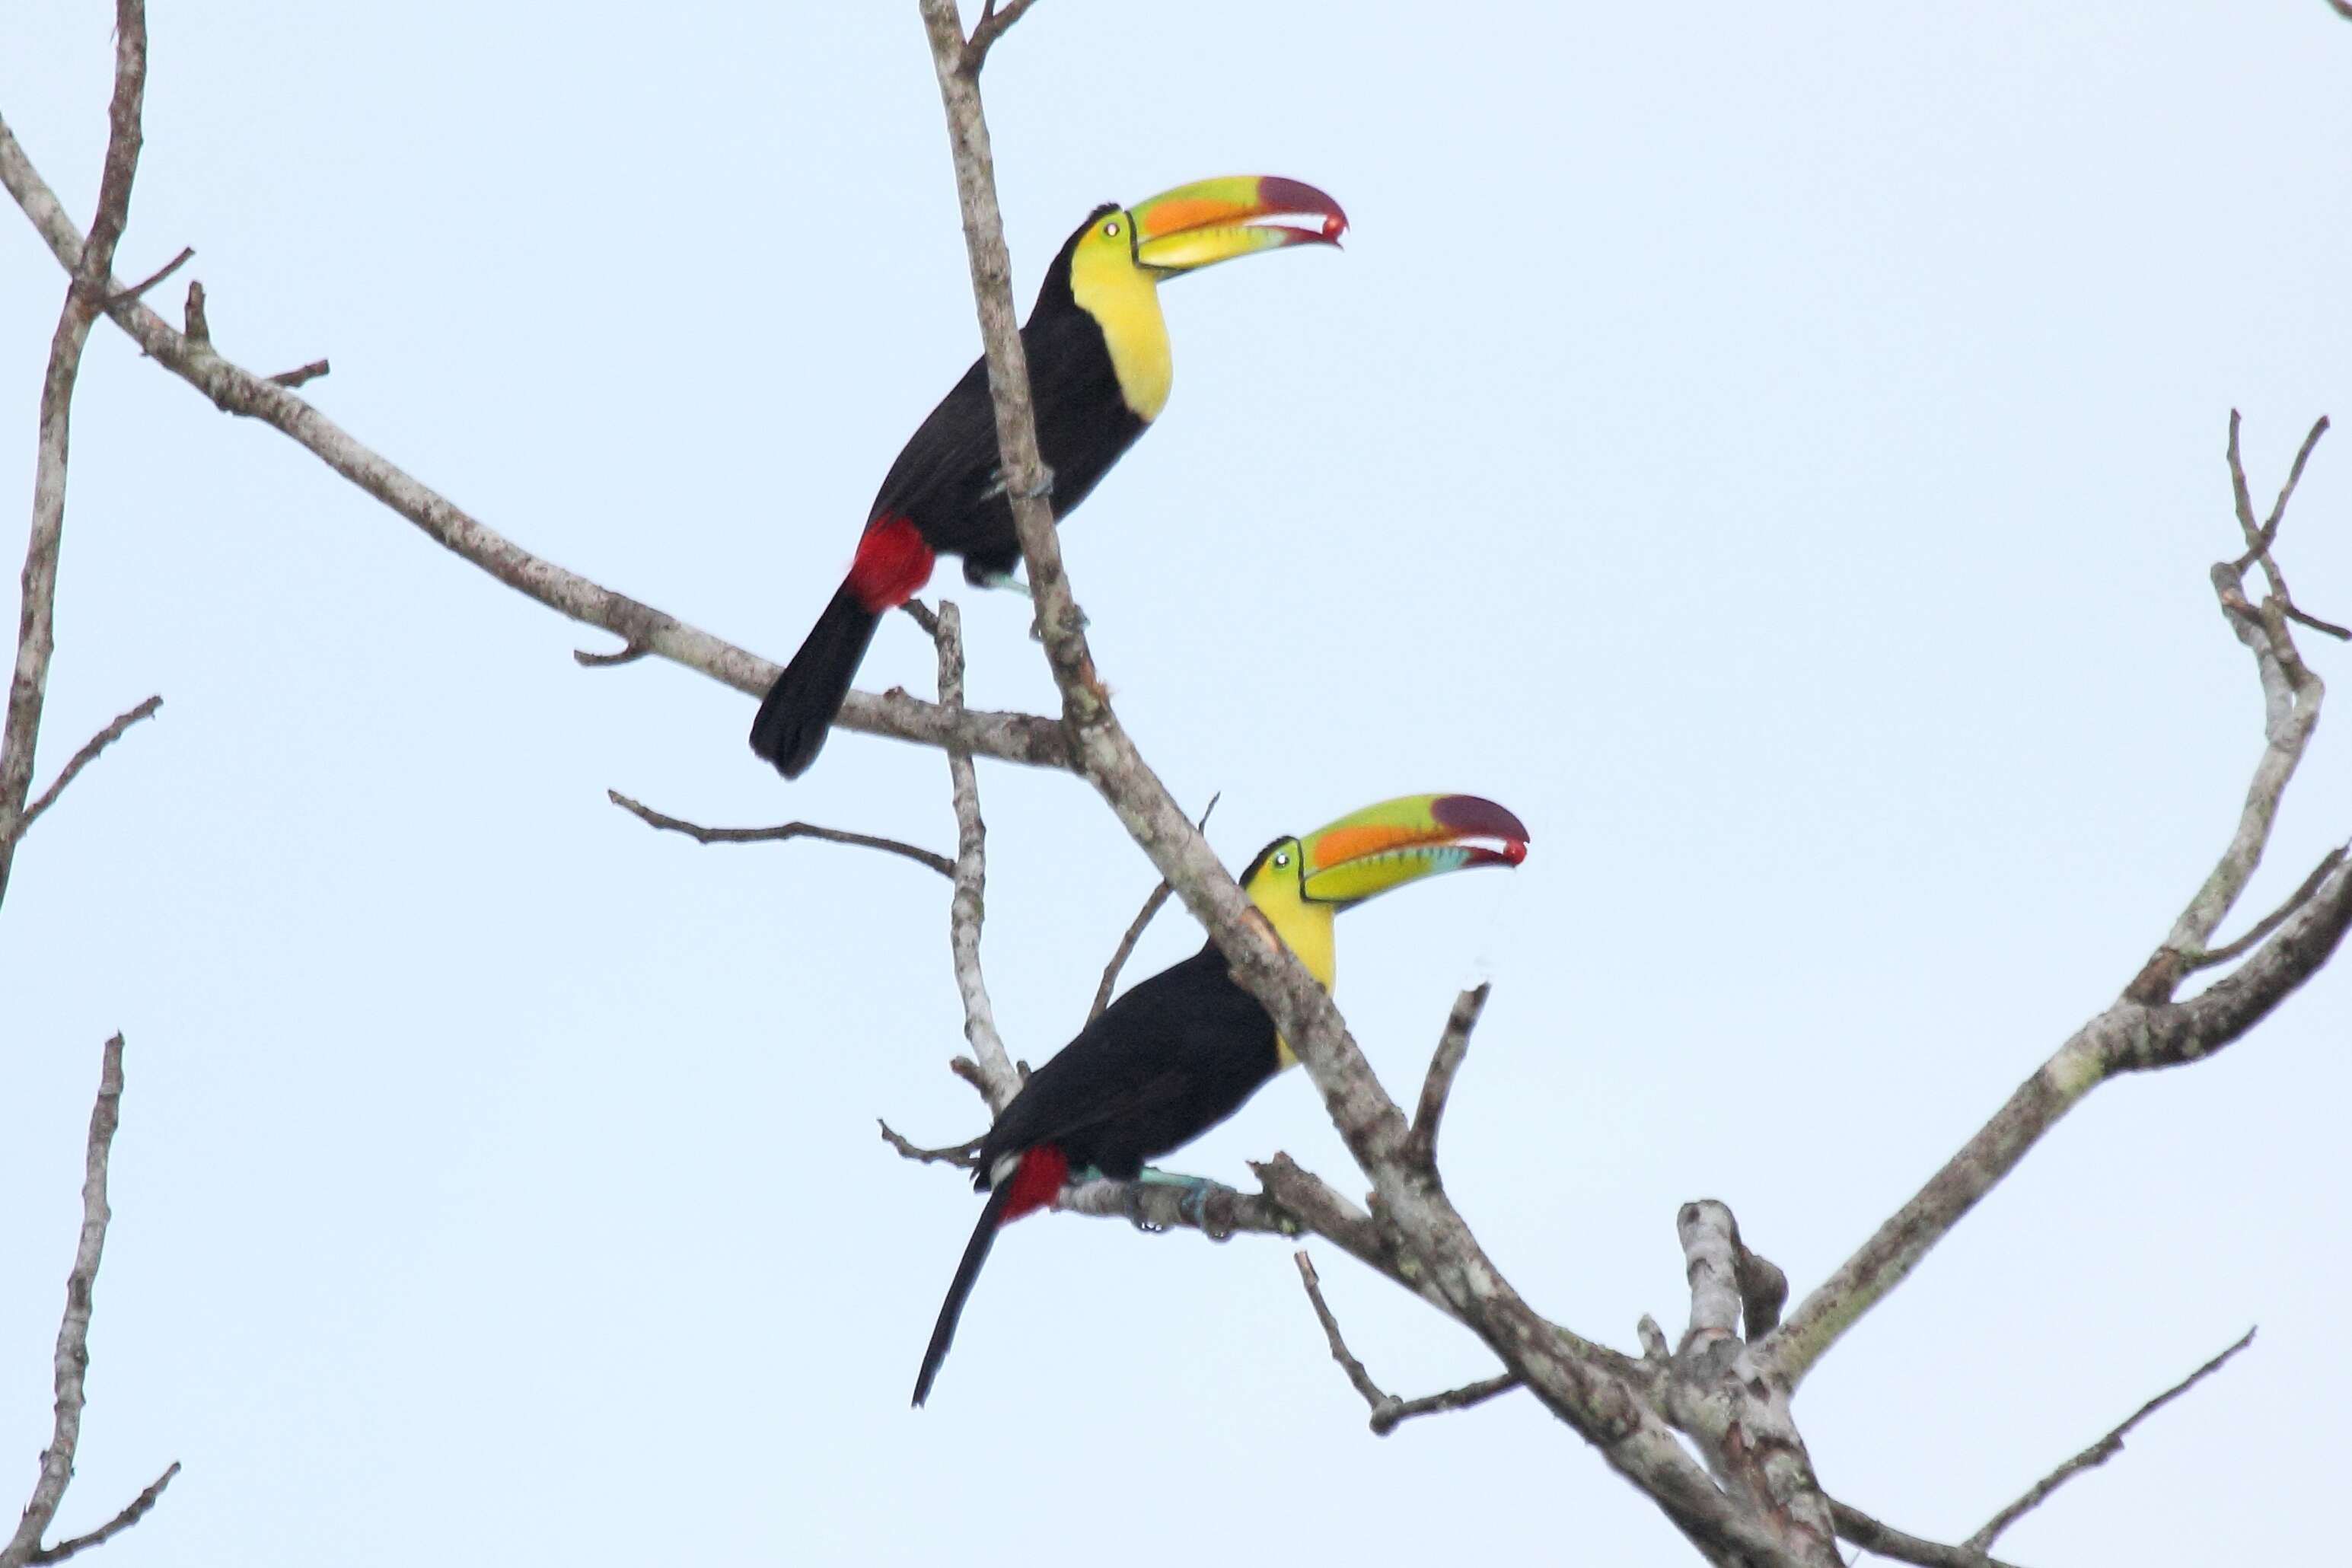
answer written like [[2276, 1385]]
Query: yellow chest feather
[[1125, 302], [1305, 929]]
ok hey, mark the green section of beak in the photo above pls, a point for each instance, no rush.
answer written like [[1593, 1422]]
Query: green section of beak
[[1367, 852], [1210, 221]]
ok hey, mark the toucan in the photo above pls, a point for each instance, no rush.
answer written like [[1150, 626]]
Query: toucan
[[1182, 1051], [1098, 376]]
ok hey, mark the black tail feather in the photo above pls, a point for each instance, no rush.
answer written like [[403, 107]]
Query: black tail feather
[[798, 711], [967, 1275]]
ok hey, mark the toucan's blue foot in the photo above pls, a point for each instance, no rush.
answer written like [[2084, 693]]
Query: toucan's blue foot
[[1192, 1202]]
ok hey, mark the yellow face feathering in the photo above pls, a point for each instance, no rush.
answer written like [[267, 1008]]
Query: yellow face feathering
[[1277, 889], [1124, 299]]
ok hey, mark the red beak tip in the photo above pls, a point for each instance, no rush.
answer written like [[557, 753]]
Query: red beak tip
[[1515, 851], [1333, 226]]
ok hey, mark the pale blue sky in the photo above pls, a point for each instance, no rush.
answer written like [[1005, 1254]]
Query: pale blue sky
[[1775, 451]]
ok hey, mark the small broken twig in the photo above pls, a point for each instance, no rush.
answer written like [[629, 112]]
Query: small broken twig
[[2100, 1452], [627, 653], [299, 374], [702, 835]]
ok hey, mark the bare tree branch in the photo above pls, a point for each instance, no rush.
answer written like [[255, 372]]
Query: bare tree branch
[[1010, 737], [1885, 1540], [2342, 8], [968, 908], [1451, 1047], [86, 292], [2098, 1453], [132, 1512], [2145, 1028], [701, 835], [73, 1332], [83, 758], [1151, 906]]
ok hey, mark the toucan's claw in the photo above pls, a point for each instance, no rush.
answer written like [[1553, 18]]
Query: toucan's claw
[[1138, 1215], [1037, 629]]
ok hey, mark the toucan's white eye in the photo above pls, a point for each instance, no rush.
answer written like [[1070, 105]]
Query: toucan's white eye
[[1112, 228], [1282, 858]]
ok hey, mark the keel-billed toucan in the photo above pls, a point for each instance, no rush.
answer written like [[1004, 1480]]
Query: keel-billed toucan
[[1183, 1050], [1098, 374]]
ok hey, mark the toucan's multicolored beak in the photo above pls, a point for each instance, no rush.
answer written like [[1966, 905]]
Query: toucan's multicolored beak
[[1367, 852], [1211, 221]]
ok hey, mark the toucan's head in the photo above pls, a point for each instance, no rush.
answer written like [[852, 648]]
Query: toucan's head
[[1202, 224], [1299, 884]]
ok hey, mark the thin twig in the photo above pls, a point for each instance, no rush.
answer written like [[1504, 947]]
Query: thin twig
[[1387, 1421], [86, 295], [132, 1512], [1885, 1540], [1126, 949], [1152, 902], [2304, 618], [2273, 921], [991, 25], [300, 375], [1358, 1378], [2259, 539], [968, 907], [1421, 1148], [702, 835], [1388, 1410], [83, 758], [73, 1332], [963, 1156], [2100, 1452], [137, 289]]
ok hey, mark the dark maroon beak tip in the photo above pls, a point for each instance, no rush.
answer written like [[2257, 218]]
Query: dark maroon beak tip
[[1475, 814]]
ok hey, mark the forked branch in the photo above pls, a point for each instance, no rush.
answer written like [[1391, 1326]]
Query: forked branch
[[2146, 1028]]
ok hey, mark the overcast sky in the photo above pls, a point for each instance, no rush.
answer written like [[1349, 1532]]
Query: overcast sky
[[1776, 450]]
